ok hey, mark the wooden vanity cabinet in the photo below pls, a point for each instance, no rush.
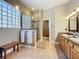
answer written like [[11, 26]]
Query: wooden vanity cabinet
[[74, 54], [61, 42], [70, 49], [67, 49], [66, 46]]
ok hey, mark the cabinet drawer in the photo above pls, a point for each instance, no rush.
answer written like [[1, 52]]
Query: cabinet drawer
[[68, 51]]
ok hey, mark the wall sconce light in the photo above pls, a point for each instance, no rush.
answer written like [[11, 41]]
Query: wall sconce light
[[70, 15], [73, 13], [77, 9]]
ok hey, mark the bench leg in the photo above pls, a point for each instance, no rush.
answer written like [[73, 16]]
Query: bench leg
[[17, 47], [5, 55], [1, 56], [14, 48]]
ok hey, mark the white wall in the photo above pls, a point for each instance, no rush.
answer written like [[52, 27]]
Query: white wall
[[73, 4], [8, 35], [49, 15], [57, 17], [60, 12], [61, 23]]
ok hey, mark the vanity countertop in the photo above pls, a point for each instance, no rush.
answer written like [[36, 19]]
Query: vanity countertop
[[72, 39]]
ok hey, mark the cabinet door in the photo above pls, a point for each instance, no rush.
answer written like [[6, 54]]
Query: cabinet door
[[74, 54], [61, 42], [67, 50]]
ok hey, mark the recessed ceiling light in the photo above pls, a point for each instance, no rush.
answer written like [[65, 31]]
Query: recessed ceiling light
[[32, 8]]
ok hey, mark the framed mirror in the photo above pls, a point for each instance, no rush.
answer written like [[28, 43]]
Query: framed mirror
[[73, 23]]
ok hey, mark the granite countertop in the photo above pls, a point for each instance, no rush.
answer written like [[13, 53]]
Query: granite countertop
[[71, 38]]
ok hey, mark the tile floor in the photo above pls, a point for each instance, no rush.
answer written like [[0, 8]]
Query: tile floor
[[45, 50]]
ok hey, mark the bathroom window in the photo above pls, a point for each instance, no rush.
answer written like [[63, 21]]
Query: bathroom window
[[0, 20], [4, 22], [0, 14], [0, 3], [4, 13], [9, 9], [17, 23], [4, 9], [9, 16], [13, 17], [0, 7], [9, 22], [26, 22], [14, 23], [13, 11]]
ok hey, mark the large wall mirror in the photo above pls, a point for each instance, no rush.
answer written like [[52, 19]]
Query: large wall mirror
[[73, 23]]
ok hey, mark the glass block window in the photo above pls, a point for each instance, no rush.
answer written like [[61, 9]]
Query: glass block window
[[0, 14], [9, 16], [0, 3], [4, 13], [9, 22], [0, 7], [4, 22], [26, 22], [9, 9], [0, 20]]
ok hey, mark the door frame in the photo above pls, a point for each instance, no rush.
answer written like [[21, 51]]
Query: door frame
[[49, 29]]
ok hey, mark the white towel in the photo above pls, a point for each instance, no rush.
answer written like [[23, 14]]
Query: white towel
[[29, 37], [22, 36]]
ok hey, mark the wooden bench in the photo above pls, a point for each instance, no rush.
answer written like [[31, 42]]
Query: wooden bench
[[9, 46]]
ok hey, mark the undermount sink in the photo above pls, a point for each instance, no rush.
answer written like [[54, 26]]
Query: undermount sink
[[75, 39], [69, 33], [66, 35]]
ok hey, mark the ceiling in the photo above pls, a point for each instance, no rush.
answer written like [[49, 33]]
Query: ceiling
[[43, 4]]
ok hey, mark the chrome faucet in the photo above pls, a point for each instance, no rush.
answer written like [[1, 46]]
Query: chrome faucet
[[75, 35]]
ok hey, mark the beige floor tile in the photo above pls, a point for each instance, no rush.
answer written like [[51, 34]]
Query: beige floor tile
[[45, 50]]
